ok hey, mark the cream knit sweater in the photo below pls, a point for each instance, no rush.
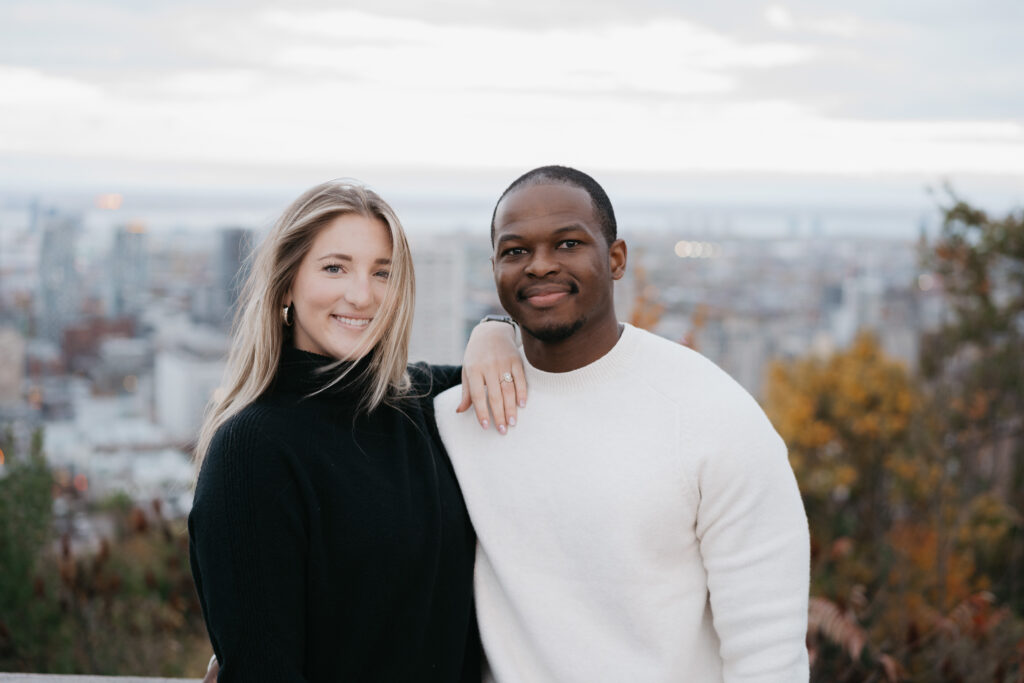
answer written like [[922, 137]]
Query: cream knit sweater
[[640, 524]]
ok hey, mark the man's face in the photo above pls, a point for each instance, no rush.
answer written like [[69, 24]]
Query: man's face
[[552, 266]]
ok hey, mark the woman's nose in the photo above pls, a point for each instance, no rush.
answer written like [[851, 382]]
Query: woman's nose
[[358, 293]]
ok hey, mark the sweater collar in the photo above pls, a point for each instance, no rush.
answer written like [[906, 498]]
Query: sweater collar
[[611, 366], [303, 372]]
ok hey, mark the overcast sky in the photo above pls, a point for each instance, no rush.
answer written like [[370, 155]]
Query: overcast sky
[[877, 87]]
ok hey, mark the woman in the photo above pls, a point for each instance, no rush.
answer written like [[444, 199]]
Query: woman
[[329, 540]]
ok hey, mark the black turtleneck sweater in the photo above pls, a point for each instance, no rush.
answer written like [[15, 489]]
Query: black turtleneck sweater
[[328, 545]]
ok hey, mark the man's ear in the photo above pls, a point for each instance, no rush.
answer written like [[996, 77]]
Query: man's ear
[[617, 259]]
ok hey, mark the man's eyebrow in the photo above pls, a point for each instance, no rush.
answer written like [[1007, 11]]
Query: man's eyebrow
[[572, 227], [346, 257], [508, 237]]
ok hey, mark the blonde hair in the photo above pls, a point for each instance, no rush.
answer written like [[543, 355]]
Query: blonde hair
[[259, 333]]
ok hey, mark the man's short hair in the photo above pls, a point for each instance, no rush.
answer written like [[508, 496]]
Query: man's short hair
[[567, 176]]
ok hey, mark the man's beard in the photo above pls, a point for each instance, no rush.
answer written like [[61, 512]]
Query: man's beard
[[555, 333]]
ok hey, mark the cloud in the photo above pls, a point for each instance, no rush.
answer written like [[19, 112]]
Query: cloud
[[198, 84], [21, 86], [905, 71], [670, 56], [793, 87], [780, 17]]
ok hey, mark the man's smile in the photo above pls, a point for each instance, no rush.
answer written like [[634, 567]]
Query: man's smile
[[547, 294]]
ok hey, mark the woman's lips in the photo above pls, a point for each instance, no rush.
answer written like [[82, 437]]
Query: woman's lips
[[352, 323]]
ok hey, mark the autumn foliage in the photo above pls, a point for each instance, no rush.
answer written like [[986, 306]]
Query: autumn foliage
[[126, 607], [913, 482]]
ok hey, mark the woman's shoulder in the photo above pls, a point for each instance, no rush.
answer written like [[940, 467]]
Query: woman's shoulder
[[245, 461], [247, 447], [248, 434], [248, 420], [429, 380]]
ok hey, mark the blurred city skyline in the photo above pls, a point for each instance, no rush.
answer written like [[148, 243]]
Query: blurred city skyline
[[772, 168]]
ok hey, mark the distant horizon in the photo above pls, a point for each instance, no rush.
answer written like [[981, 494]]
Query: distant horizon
[[432, 201], [181, 211], [24, 177]]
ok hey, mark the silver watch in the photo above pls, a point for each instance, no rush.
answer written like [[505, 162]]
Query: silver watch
[[494, 317]]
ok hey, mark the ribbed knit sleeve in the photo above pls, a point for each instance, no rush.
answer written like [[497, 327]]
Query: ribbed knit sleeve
[[248, 547], [754, 543]]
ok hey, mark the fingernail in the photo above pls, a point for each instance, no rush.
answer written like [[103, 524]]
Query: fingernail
[[484, 423], [522, 403], [511, 422], [502, 429]]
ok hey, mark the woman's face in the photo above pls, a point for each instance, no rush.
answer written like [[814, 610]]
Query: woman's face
[[339, 286]]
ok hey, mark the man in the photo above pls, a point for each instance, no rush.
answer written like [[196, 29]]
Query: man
[[642, 523]]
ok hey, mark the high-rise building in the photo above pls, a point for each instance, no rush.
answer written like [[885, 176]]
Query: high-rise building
[[214, 302], [59, 299], [19, 273], [12, 365], [439, 326], [129, 270], [230, 270]]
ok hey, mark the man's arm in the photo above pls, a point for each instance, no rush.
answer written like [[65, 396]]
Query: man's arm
[[755, 546]]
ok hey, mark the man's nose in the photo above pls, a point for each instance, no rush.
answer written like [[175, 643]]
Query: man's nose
[[543, 263]]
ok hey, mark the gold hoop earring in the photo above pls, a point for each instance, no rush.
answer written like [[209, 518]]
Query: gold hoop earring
[[285, 313]]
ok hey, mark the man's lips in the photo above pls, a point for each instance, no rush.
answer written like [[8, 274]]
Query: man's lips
[[547, 294]]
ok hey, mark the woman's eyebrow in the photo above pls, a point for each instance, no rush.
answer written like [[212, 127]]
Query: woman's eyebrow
[[346, 257]]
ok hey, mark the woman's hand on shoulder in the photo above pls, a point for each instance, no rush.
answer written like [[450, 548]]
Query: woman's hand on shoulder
[[493, 376]]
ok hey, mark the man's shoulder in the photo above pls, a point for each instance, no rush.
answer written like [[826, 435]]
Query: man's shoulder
[[448, 399], [672, 365], [460, 432], [687, 378], [448, 421]]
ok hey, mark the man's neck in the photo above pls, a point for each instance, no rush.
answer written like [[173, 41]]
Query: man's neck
[[574, 352]]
